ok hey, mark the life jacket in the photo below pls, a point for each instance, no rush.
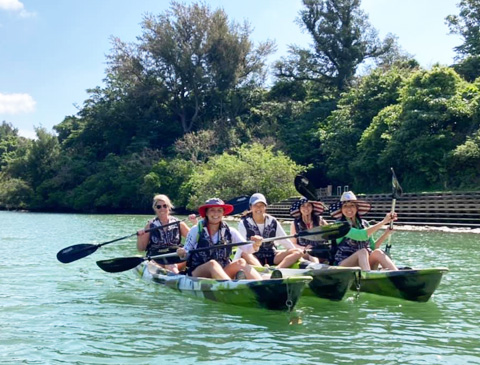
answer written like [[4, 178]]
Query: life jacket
[[222, 256], [267, 249], [164, 239], [320, 249], [348, 246]]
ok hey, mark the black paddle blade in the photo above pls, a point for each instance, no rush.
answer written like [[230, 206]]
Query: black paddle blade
[[120, 264], [305, 187], [169, 260], [327, 232], [76, 252], [397, 190], [240, 204]]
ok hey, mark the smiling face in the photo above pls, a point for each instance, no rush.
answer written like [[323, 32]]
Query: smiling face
[[306, 209], [161, 208], [349, 210], [214, 215], [258, 209]]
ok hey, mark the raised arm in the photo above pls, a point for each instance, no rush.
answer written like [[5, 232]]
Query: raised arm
[[389, 217]]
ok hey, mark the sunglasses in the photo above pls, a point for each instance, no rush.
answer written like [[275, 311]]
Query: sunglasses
[[165, 206]]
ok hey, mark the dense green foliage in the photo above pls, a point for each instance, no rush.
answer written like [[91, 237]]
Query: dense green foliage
[[185, 112]]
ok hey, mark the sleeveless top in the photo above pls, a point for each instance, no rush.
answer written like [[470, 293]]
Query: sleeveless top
[[300, 226], [348, 246], [322, 248], [222, 256], [267, 249], [162, 239]]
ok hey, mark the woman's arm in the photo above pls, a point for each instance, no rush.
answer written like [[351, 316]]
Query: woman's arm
[[389, 217], [293, 230], [238, 237], [143, 238], [383, 237], [242, 230], [190, 242], [184, 229], [286, 243]]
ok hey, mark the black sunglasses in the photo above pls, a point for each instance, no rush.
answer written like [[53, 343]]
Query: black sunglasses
[[162, 206]]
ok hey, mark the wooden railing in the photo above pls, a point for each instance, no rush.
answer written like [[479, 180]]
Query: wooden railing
[[447, 209]]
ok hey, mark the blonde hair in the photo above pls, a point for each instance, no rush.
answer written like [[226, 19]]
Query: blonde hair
[[163, 197]]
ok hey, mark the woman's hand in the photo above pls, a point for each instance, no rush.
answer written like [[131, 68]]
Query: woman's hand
[[390, 217], [193, 219], [257, 242], [181, 252], [141, 232]]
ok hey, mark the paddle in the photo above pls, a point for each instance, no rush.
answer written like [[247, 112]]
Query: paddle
[[76, 252], [397, 192], [330, 231], [305, 188]]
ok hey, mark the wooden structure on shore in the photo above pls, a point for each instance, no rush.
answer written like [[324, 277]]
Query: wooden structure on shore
[[460, 209]]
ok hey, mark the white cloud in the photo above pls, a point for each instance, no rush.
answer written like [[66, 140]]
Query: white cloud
[[16, 103], [15, 6]]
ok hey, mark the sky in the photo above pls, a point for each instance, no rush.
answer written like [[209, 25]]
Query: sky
[[52, 51]]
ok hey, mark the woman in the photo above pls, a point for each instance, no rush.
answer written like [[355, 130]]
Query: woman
[[358, 248], [258, 223], [212, 231], [307, 214], [169, 234]]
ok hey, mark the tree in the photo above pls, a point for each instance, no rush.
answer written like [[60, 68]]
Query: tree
[[436, 115], [467, 25], [343, 129], [248, 169], [193, 58], [342, 40]]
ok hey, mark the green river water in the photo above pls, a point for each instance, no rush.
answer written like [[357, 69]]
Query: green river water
[[53, 313]]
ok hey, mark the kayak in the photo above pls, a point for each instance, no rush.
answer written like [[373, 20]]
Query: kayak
[[328, 282], [410, 284], [276, 294]]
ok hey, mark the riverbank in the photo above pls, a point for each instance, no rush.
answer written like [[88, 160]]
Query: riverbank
[[450, 209]]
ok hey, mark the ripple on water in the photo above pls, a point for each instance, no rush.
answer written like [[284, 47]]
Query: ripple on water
[[76, 313]]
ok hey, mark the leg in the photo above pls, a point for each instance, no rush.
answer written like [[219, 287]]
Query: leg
[[359, 258], [287, 258], [173, 268], [379, 257], [251, 259], [211, 269], [311, 258], [241, 264]]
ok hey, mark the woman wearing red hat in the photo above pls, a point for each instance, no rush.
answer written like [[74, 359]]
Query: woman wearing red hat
[[358, 248], [212, 231]]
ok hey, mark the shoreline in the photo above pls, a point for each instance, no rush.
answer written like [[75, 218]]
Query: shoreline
[[400, 227]]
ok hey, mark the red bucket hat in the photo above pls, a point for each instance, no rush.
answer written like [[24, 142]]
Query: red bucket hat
[[215, 202]]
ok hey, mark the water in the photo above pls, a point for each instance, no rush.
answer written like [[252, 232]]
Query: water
[[53, 313]]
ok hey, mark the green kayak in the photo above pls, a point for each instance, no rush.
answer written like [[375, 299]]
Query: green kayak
[[328, 282], [410, 284], [275, 294]]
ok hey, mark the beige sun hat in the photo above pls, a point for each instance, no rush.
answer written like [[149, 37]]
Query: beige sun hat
[[363, 207]]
